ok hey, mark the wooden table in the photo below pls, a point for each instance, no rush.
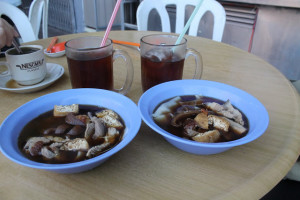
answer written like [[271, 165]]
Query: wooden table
[[149, 167]]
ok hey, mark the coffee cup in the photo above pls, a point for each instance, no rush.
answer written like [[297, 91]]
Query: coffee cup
[[91, 66], [162, 60], [27, 68]]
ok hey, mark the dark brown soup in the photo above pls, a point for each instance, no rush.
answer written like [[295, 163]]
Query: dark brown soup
[[71, 138], [202, 119]]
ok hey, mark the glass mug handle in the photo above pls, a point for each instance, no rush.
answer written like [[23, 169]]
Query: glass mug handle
[[7, 72], [128, 64], [198, 62]]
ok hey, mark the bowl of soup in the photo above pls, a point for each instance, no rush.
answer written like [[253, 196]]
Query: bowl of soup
[[203, 117], [69, 131]]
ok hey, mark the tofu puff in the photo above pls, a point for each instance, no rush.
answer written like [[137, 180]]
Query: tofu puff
[[201, 119]]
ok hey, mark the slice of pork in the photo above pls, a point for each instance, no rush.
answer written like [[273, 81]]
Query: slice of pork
[[97, 150], [47, 153], [112, 135], [73, 120], [208, 136], [236, 127], [189, 127], [34, 145], [226, 110]]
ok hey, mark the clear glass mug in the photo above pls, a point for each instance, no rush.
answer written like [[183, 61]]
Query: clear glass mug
[[162, 60], [91, 66]]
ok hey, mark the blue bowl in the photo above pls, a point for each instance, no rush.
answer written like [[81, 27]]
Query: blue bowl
[[14, 123], [255, 112]]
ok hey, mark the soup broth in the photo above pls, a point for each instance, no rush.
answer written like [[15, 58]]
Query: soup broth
[[66, 139], [196, 118]]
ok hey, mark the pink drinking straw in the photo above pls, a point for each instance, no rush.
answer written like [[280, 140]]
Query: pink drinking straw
[[111, 21]]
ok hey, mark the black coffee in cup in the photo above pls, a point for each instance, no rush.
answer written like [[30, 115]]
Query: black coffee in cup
[[25, 50]]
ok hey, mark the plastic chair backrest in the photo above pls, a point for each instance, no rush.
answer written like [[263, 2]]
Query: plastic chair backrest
[[213, 6], [20, 20], [38, 14]]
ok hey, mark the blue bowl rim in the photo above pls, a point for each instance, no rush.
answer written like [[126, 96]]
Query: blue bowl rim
[[125, 141], [180, 83]]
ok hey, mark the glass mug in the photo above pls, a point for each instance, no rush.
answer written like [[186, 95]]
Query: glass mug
[[91, 66], [162, 60]]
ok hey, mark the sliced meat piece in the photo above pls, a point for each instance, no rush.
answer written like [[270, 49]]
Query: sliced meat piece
[[47, 153], [218, 122], [112, 135], [84, 118], [190, 132], [77, 144], [96, 129], [34, 145], [236, 127], [226, 110], [55, 146], [49, 131], [61, 129], [56, 139], [73, 120], [76, 130], [89, 131], [202, 120], [99, 128], [208, 136], [97, 150], [179, 117], [236, 114], [190, 127]]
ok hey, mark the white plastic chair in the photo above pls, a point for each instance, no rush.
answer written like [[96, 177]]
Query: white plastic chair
[[39, 8], [20, 20], [13, 2], [213, 6]]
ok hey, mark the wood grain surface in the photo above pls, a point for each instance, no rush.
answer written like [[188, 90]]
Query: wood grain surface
[[149, 167]]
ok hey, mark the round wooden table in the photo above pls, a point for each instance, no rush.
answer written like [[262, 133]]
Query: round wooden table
[[149, 167]]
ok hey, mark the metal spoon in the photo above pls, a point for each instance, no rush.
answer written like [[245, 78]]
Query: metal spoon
[[16, 45]]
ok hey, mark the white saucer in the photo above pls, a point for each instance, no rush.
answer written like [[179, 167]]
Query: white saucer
[[54, 72], [54, 55]]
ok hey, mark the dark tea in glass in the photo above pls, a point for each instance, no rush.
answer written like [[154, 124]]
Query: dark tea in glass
[[91, 65], [162, 59], [156, 71], [96, 73]]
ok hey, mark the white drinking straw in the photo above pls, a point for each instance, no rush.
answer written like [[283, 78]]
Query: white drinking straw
[[187, 25], [111, 21]]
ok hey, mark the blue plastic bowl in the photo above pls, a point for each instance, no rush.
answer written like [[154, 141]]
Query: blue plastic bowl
[[13, 124], [256, 113]]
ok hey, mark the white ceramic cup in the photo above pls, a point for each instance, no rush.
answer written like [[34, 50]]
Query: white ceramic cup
[[25, 69]]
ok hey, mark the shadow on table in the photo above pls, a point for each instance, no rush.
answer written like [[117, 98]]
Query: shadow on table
[[285, 189]]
